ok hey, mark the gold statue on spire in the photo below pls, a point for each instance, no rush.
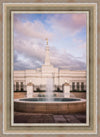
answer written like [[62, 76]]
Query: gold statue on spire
[[46, 41]]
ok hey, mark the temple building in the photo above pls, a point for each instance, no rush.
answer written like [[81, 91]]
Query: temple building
[[38, 77]]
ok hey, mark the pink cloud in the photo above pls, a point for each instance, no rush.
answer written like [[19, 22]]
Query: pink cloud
[[28, 35], [32, 29], [31, 55], [68, 23], [29, 48], [79, 20]]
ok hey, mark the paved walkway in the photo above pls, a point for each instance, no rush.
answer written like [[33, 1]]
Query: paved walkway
[[48, 118]]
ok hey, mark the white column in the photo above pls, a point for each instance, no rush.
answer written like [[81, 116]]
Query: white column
[[23, 86], [19, 86], [75, 85], [66, 91], [79, 86], [29, 91]]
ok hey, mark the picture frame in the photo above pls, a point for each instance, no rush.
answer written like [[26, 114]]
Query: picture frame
[[6, 103]]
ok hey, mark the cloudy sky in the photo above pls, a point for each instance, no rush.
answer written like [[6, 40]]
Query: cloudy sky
[[66, 35]]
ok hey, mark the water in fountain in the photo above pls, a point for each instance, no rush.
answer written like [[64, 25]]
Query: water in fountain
[[49, 89]]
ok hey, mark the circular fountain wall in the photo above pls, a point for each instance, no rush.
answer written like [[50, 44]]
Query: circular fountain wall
[[56, 106]]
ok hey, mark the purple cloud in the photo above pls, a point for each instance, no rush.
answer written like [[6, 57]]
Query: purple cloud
[[67, 23]]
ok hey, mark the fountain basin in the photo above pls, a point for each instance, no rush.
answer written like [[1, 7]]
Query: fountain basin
[[57, 106]]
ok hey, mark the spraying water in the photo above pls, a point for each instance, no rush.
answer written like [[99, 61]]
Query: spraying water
[[49, 89]]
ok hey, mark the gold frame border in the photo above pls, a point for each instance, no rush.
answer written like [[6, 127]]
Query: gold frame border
[[87, 98]]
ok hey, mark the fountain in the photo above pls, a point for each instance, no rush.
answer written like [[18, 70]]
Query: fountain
[[57, 106], [49, 104], [49, 89]]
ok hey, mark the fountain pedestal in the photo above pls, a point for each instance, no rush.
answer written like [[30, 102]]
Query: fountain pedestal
[[29, 90], [66, 88]]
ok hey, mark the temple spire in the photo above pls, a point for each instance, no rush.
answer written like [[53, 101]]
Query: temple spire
[[47, 56], [46, 41]]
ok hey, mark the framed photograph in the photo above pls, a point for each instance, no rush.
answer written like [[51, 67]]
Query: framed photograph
[[49, 68], [54, 83]]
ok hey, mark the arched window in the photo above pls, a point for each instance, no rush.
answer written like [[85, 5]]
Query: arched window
[[17, 86], [82, 86], [77, 86], [73, 86], [22, 86], [14, 87]]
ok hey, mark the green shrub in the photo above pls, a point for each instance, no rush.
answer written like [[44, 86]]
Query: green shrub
[[38, 90], [20, 91], [78, 91]]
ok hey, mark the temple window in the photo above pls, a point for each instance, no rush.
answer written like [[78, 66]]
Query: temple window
[[22, 86], [82, 86], [17, 86], [73, 85], [78, 86]]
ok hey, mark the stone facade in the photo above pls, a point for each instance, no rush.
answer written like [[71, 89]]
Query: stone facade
[[39, 77]]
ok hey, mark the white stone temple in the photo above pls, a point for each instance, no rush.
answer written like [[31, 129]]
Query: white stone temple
[[76, 80]]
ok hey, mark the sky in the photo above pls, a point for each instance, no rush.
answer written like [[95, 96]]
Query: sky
[[66, 35]]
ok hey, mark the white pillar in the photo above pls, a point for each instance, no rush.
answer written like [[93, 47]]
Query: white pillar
[[29, 90], [75, 85], [66, 89], [24, 86], [79, 86]]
